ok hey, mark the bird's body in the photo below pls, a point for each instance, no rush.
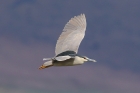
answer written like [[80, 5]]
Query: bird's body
[[68, 62], [68, 44], [74, 59]]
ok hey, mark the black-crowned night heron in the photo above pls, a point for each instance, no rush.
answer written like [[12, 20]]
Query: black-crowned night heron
[[68, 44]]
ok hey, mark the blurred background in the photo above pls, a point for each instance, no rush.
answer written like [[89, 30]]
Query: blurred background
[[29, 30]]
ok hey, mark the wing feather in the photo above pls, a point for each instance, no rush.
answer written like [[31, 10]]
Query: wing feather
[[72, 35], [62, 58]]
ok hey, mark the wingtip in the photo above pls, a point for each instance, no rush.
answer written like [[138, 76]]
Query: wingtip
[[82, 14]]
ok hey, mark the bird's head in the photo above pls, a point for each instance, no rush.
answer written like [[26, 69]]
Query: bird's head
[[88, 59]]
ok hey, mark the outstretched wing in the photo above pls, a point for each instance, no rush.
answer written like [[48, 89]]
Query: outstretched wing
[[72, 35]]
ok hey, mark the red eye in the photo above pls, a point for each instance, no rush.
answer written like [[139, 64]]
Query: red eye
[[84, 57]]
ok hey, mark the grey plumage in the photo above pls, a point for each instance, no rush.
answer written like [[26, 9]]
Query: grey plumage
[[72, 35]]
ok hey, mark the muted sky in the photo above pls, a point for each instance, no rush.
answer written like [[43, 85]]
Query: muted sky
[[29, 30]]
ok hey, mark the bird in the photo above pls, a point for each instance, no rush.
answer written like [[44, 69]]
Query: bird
[[68, 43]]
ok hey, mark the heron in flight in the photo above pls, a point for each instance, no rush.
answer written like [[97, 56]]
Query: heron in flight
[[68, 44]]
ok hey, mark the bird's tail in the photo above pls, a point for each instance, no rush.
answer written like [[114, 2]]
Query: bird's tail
[[46, 65]]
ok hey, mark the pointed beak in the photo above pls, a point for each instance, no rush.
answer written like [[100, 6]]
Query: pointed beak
[[92, 60]]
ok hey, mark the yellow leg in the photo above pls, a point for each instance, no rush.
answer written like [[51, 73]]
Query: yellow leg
[[43, 67]]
